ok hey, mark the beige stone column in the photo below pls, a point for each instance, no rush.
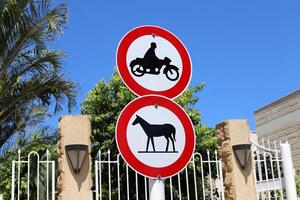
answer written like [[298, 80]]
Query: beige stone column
[[74, 129], [238, 183]]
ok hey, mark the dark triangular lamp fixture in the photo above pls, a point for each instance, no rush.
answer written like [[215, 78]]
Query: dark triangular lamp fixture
[[76, 154], [242, 153]]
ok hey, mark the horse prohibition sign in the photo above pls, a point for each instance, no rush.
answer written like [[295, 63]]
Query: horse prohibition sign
[[155, 136]]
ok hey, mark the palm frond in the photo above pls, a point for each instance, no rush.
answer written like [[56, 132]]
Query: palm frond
[[30, 73]]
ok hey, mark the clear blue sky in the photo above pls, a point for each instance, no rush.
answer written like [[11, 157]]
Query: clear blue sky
[[247, 52]]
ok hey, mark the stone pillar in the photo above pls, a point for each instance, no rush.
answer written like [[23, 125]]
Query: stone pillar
[[74, 130], [238, 183]]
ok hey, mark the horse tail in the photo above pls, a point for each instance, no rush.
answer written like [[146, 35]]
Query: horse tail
[[173, 134]]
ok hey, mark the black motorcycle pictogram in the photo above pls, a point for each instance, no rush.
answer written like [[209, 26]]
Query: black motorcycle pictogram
[[151, 64], [157, 130]]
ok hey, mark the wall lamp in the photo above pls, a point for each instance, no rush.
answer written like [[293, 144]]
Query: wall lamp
[[242, 153], [76, 154]]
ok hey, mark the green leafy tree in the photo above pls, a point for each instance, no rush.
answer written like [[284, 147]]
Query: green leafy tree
[[105, 102], [31, 78]]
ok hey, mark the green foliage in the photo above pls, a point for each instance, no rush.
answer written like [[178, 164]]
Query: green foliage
[[298, 182], [39, 141], [31, 77]]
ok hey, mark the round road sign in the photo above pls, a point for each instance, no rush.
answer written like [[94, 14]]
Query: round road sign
[[152, 60], [155, 136]]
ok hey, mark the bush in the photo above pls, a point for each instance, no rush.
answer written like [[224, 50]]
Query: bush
[[298, 182]]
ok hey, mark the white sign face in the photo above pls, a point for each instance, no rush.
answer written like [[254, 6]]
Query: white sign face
[[149, 72], [168, 139]]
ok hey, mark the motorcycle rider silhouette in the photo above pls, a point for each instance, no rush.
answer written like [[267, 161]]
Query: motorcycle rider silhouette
[[150, 58], [151, 64]]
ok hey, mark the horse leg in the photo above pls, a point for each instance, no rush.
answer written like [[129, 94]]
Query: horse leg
[[167, 144], [173, 143], [147, 144], [152, 141]]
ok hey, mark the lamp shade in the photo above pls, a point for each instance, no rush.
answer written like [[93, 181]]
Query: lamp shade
[[76, 154], [242, 153]]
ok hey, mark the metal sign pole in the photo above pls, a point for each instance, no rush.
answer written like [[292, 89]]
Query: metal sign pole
[[156, 189]]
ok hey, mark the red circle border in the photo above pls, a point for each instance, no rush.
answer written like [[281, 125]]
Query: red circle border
[[128, 156], [134, 86]]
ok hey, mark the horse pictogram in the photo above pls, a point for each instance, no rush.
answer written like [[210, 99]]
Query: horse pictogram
[[157, 130]]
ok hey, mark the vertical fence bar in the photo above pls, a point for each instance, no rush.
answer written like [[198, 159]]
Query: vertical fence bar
[[209, 171], [38, 180], [28, 177], [272, 171], [195, 178], [266, 173], [273, 176], [221, 175], [278, 169], [109, 175], [136, 186], [100, 175], [127, 181], [263, 163], [118, 174], [259, 160], [255, 168], [259, 165], [187, 182], [97, 179], [19, 172], [171, 188], [218, 174], [263, 144], [179, 185], [254, 153], [202, 176], [47, 171], [146, 190], [13, 181], [53, 180]]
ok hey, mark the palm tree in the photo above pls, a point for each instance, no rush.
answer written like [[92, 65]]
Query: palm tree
[[31, 77]]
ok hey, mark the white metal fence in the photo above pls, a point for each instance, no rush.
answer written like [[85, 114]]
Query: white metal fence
[[33, 178], [273, 173], [201, 179]]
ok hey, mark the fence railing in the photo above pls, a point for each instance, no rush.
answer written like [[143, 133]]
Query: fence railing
[[33, 177], [201, 179], [272, 171]]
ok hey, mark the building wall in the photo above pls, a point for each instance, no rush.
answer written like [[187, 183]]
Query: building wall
[[280, 120]]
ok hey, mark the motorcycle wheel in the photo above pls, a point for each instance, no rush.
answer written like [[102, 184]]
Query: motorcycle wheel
[[172, 74], [137, 70]]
